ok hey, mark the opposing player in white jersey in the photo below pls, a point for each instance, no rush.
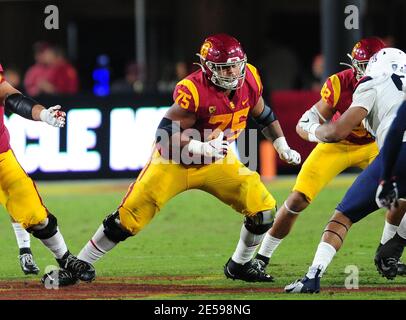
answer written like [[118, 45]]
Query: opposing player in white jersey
[[376, 101]]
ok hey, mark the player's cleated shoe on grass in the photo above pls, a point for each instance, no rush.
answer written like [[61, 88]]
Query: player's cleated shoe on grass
[[265, 260], [387, 267], [401, 269], [305, 285], [387, 257], [252, 271], [82, 270], [28, 264], [59, 278]]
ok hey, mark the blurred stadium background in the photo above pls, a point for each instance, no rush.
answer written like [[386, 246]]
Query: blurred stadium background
[[128, 55]]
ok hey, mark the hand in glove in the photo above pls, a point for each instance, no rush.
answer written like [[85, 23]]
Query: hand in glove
[[285, 152], [53, 116]]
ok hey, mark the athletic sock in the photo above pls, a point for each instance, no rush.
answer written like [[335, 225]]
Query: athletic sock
[[243, 253], [97, 247], [22, 236], [402, 228], [388, 232], [262, 258], [324, 254], [56, 244], [268, 246]]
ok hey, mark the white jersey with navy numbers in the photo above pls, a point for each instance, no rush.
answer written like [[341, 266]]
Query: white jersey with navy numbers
[[382, 102]]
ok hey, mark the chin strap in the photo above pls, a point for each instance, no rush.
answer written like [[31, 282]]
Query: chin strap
[[201, 67], [358, 75], [347, 64], [201, 62]]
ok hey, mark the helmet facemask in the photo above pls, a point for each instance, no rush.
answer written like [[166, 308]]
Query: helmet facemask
[[229, 75], [358, 66]]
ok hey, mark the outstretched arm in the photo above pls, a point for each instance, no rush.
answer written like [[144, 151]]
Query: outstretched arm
[[333, 131], [340, 129], [270, 127], [28, 108]]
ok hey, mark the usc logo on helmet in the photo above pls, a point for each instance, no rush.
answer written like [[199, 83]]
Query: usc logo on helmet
[[355, 49], [204, 50]]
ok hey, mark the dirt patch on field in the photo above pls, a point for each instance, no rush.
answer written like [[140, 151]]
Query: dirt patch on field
[[122, 288]]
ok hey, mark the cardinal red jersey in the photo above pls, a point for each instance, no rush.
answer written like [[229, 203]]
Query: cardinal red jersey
[[4, 135], [337, 93], [1, 74], [213, 108]]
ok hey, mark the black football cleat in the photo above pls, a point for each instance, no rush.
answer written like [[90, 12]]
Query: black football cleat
[[387, 257], [264, 259], [59, 278], [252, 271], [401, 269], [82, 270], [387, 267], [28, 264]]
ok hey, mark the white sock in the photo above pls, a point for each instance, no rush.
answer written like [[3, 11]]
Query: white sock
[[269, 245], [247, 246], [388, 232], [402, 228], [324, 254], [22, 236], [56, 244], [97, 247], [243, 253]]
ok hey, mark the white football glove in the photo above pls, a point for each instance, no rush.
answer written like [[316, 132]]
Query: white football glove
[[216, 148], [285, 152], [387, 194], [53, 116], [309, 121]]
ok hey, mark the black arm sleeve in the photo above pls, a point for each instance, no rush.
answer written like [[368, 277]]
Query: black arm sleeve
[[167, 128], [266, 117], [393, 142], [20, 104]]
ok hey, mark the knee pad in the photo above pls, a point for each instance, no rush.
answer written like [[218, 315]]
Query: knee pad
[[261, 222], [46, 232], [113, 229]]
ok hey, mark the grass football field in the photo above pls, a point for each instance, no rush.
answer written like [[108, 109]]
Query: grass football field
[[181, 254]]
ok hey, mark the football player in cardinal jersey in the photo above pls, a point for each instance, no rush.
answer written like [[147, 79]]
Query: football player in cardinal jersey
[[376, 100], [327, 160], [18, 192], [210, 109]]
